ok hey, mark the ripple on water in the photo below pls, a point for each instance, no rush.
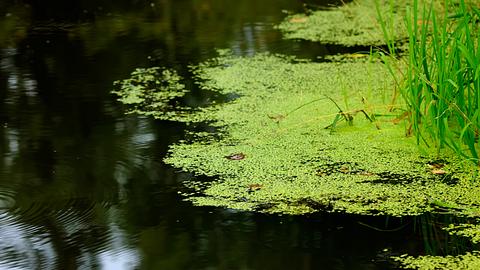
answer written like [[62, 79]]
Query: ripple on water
[[44, 235], [7, 200], [23, 245]]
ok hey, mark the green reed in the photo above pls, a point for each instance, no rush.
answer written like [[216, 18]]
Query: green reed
[[442, 81]]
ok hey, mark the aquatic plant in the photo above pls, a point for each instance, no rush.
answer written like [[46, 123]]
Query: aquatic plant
[[468, 261], [361, 22], [276, 156], [152, 92], [442, 88], [472, 231]]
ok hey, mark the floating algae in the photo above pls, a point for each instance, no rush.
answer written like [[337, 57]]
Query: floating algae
[[151, 91], [278, 124], [468, 261], [275, 154], [472, 231], [274, 136], [352, 24]]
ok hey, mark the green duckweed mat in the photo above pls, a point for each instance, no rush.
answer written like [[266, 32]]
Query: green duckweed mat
[[286, 148], [352, 24], [302, 137]]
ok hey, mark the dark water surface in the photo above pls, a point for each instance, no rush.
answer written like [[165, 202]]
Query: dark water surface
[[83, 186]]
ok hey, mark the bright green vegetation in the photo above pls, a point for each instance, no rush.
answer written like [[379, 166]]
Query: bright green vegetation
[[312, 136], [471, 231], [442, 88], [275, 154], [468, 261], [304, 137], [291, 163], [151, 91], [351, 24]]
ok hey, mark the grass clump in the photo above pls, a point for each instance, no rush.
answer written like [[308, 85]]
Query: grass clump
[[442, 88], [352, 24]]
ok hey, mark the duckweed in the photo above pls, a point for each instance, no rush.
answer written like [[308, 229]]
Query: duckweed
[[278, 123], [365, 165], [472, 231], [312, 136], [468, 261], [151, 91], [351, 24]]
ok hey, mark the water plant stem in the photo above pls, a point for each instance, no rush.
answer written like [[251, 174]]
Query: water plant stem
[[442, 82]]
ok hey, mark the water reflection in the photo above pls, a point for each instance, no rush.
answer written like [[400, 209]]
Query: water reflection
[[83, 186], [21, 250], [121, 252], [121, 236], [66, 240]]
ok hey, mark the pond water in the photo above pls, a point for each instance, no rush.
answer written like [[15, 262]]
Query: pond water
[[83, 186]]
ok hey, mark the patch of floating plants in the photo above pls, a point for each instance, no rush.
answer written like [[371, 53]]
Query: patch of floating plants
[[470, 260], [152, 92], [304, 137], [352, 24]]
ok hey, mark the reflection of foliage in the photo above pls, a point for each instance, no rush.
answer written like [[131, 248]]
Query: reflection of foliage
[[158, 24], [12, 25], [150, 91]]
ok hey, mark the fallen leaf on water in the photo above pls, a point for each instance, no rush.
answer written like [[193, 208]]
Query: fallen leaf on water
[[438, 171], [357, 55], [298, 20], [238, 156], [435, 165], [344, 169], [254, 187], [276, 118]]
